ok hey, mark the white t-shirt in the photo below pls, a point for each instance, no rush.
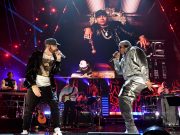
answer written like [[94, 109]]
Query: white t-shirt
[[42, 79]]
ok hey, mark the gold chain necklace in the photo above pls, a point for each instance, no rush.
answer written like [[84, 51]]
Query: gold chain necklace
[[105, 34]]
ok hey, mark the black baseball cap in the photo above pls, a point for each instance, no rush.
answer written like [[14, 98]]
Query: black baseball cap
[[51, 41], [100, 13]]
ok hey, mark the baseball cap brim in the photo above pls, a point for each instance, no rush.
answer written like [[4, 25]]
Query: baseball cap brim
[[52, 41], [100, 13], [58, 44]]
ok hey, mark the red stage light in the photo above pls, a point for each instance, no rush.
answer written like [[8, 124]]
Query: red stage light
[[171, 27], [53, 10], [7, 55], [37, 19], [42, 9], [162, 8], [46, 25], [16, 46]]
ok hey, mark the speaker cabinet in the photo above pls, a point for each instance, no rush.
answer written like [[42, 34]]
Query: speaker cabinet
[[85, 119]]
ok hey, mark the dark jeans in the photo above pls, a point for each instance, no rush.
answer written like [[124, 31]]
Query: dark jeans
[[69, 113], [129, 91], [47, 96]]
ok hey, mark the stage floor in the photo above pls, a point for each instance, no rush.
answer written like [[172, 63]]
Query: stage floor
[[14, 126]]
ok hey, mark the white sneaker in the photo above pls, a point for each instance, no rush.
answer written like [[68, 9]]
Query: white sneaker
[[24, 132], [57, 131], [133, 130]]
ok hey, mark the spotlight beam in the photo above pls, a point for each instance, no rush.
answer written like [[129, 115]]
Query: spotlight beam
[[16, 58], [25, 20]]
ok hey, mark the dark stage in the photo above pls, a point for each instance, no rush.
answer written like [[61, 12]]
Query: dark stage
[[13, 126]]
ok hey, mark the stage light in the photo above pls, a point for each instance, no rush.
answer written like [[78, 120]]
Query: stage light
[[114, 113], [107, 81], [39, 41], [67, 81], [47, 112], [62, 79], [162, 8], [36, 19], [46, 25], [53, 10], [16, 46], [171, 27], [7, 55], [42, 9], [157, 114], [86, 81]]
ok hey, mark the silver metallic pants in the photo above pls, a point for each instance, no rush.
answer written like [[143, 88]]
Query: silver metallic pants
[[129, 91]]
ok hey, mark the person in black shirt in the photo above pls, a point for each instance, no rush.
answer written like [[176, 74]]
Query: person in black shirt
[[40, 71], [9, 83], [106, 36]]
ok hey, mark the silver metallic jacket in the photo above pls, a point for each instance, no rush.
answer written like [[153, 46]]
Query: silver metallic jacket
[[133, 65]]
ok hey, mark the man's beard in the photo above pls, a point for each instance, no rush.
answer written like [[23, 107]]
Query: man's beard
[[52, 51]]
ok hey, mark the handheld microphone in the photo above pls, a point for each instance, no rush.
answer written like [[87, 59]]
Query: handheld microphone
[[115, 53], [113, 56], [62, 55]]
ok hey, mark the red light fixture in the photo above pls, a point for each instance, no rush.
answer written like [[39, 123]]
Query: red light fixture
[[36, 19], [7, 55], [16, 46], [42, 9], [53, 10], [171, 27], [46, 25]]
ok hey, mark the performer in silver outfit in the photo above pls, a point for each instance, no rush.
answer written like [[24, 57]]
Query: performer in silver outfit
[[134, 68]]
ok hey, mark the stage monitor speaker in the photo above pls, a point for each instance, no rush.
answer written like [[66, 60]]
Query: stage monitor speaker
[[110, 133], [85, 119]]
